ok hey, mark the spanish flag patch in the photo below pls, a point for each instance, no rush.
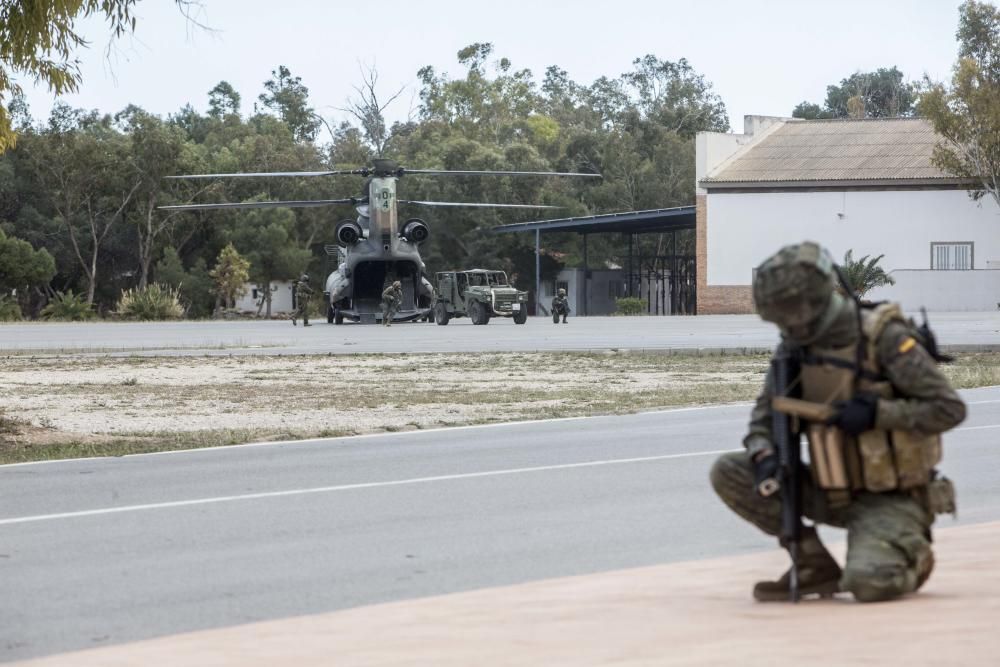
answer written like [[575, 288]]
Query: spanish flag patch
[[907, 345]]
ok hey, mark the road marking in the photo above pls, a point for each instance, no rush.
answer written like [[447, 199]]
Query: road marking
[[973, 428], [351, 487]]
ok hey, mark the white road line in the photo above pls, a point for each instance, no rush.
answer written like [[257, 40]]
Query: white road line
[[350, 487], [972, 428]]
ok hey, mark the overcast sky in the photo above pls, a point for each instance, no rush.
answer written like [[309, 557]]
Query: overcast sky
[[762, 57]]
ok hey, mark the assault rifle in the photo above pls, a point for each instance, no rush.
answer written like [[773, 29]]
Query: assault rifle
[[789, 483]]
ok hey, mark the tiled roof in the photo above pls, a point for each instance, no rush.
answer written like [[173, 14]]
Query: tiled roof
[[890, 149]]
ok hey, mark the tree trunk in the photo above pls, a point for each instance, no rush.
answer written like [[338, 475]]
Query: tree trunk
[[267, 286]]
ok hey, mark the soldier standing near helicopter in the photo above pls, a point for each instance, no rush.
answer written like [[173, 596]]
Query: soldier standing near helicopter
[[392, 296], [302, 294]]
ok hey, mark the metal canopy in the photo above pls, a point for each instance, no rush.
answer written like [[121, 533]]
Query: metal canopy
[[631, 222], [670, 220]]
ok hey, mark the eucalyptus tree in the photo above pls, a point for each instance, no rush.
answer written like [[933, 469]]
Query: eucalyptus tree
[[77, 158]]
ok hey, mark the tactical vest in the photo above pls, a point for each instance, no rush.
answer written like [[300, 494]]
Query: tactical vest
[[876, 460]]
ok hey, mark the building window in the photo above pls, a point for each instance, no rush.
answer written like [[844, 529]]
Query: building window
[[952, 256]]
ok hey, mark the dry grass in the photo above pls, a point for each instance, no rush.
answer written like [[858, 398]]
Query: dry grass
[[73, 406]]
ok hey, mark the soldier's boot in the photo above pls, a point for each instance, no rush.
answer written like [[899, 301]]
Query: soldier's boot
[[819, 573], [294, 323]]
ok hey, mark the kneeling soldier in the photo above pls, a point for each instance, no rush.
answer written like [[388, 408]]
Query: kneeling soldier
[[882, 405]]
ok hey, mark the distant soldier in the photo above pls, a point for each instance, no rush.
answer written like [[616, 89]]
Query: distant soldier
[[560, 306], [302, 294], [392, 297]]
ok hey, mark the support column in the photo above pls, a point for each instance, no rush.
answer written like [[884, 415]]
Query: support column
[[584, 309], [630, 292], [538, 269]]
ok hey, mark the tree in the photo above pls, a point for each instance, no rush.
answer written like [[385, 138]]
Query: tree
[[195, 286], [156, 150], [78, 160], [865, 274], [38, 39], [878, 94], [810, 111], [22, 266], [230, 275], [676, 97], [369, 110], [267, 239], [967, 114], [289, 99], [223, 100]]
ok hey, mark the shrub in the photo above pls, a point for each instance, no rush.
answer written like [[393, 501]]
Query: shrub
[[10, 311], [155, 302], [630, 305], [68, 307]]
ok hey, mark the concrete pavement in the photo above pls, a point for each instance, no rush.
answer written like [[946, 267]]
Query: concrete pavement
[[109, 551], [709, 332], [693, 613]]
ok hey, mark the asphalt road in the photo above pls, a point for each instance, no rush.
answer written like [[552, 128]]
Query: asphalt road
[[539, 333], [100, 551]]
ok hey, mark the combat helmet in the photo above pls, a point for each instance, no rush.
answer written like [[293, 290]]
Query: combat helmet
[[795, 289], [304, 277], [396, 283], [562, 292]]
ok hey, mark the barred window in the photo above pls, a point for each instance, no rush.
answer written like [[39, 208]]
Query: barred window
[[952, 256]]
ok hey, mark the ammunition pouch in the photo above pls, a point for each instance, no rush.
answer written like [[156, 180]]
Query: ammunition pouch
[[875, 461], [941, 497]]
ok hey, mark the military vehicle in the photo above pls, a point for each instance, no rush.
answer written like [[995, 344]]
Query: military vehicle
[[480, 295], [375, 248]]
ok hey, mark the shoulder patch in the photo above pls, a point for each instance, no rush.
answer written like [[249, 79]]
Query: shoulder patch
[[908, 344]]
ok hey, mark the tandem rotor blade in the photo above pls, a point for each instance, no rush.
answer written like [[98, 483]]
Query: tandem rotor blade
[[456, 203], [260, 204], [447, 172], [275, 174]]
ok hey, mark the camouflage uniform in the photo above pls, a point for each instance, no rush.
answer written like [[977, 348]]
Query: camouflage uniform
[[888, 533], [392, 297], [560, 306], [302, 294]]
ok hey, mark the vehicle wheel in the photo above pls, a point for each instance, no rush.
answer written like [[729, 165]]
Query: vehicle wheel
[[477, 313], [520, 317], [329, 314], [338, 316], [441, 314]]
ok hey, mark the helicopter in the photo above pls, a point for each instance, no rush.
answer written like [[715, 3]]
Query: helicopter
[[375, 249]]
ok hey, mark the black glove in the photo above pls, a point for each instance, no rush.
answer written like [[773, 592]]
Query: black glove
[[765, 475], [856, 415]]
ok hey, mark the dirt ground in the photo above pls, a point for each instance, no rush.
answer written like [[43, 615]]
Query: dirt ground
[[65, 406]]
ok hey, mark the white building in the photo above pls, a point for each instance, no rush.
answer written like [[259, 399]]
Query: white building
[[281, 298], [862, 185]]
